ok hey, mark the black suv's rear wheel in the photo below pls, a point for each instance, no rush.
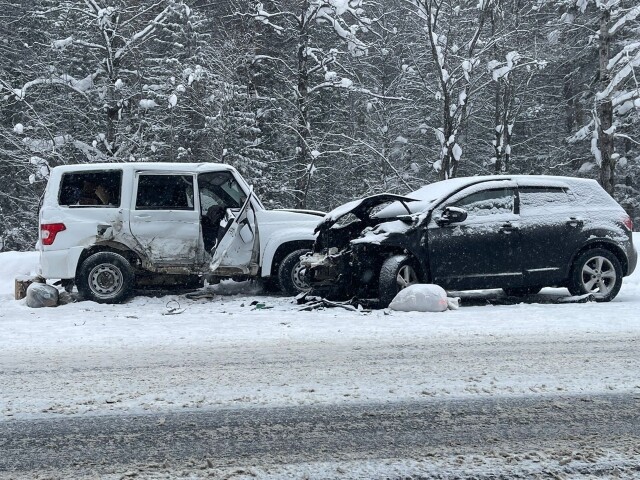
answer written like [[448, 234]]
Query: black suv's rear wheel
[[105, 277], [291, 274], [596, 271], [397, 273]]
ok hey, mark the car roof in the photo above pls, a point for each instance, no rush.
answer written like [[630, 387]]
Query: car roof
[[147, 166], [432, 194]]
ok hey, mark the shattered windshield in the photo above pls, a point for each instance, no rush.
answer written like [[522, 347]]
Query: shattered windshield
[[427, 197]]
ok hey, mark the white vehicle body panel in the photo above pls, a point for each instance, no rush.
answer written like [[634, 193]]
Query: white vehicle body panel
[[168, 241], [278, 227]]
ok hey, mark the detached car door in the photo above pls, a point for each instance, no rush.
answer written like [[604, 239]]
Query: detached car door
[[164, 219], [482, 251]]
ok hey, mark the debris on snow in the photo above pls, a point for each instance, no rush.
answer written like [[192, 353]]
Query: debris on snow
[[421, 298]]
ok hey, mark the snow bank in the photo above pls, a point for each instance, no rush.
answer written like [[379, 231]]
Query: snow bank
[[13, 265]]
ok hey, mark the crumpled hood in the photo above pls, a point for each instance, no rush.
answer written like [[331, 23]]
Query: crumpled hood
[[360, 208]]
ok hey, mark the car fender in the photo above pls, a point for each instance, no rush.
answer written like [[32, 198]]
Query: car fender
[[603, 242], [397, 244], [278, 239]]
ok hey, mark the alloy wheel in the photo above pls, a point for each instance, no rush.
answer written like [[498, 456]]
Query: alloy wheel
[[599, 275], [406, 276]]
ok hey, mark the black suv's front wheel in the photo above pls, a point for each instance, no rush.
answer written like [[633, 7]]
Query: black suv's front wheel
[[105, 277], [596, 271], [397, 273]]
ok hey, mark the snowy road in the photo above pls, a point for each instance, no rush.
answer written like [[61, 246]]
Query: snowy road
[[549, 431], [114, 369]]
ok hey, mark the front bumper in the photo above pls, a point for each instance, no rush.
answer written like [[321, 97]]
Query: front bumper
[[323, 269], [341, 274]]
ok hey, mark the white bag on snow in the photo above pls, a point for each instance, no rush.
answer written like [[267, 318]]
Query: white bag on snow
[[42, 295], [424, 297]]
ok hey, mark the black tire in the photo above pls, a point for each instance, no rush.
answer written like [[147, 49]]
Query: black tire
[[291, 274], [596, 271], [105, 277], [521, 291], [390, 284]]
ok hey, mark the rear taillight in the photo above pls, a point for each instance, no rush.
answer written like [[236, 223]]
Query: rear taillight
[[48, 232], [627, 222]]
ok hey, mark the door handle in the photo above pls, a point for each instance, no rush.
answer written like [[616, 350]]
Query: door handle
[[575, 222], [142, 216]]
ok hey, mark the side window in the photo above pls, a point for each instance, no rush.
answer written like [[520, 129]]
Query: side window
[[220, 189], [542, 197], [95, 189], [165, 192], [488, 202]]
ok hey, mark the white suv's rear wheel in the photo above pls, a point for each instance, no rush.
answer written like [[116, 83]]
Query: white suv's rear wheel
[[105, 277]]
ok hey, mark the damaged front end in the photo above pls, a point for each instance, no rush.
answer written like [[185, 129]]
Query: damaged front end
[[350, 246]]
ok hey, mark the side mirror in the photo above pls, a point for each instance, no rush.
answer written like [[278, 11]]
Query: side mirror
[[452, 215]]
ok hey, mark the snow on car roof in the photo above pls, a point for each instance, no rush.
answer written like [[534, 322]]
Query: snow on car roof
[[152, 166], [431, 194]]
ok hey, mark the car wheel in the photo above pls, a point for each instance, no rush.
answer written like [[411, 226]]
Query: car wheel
[[596, 271], [521, 291], [291, 274], [397, 273], [105, 277]]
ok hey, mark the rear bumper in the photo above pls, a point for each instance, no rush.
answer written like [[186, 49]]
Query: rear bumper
[[632, 258], [60, 263]]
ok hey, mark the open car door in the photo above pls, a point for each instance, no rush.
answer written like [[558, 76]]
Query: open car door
[[237, 249]]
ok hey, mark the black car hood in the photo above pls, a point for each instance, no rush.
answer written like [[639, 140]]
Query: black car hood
[[360, 208]]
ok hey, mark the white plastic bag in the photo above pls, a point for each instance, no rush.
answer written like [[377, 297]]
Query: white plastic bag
[[42, 295], [421, 298]]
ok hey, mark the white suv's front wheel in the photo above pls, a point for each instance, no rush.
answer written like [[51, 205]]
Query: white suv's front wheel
[[291, 274], [105, 277]]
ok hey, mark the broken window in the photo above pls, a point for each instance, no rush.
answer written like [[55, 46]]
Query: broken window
[[164, 192], [97, 189], [220, 189]]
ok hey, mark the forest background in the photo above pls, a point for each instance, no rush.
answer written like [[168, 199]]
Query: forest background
[[317, 102]]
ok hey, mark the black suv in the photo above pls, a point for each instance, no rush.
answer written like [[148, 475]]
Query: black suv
[[518, 233]]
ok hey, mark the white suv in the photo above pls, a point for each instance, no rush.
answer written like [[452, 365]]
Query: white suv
[[110, 227]]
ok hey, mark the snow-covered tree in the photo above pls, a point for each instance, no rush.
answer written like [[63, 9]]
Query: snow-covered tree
[[307, 64]]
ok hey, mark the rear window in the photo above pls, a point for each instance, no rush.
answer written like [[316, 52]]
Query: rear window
[[91, 189], [536, 197]]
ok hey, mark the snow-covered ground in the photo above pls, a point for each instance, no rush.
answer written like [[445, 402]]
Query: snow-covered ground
[[87, 358]]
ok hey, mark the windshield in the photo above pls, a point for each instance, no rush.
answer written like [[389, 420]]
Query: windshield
[[427, 197]]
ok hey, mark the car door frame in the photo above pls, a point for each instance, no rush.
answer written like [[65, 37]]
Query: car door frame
[[550, 240], [179, 229], [450, 246]]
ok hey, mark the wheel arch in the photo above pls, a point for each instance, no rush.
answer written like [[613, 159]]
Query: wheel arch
[[606, 245], [132, 257], [272, 259], [422, 264]]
